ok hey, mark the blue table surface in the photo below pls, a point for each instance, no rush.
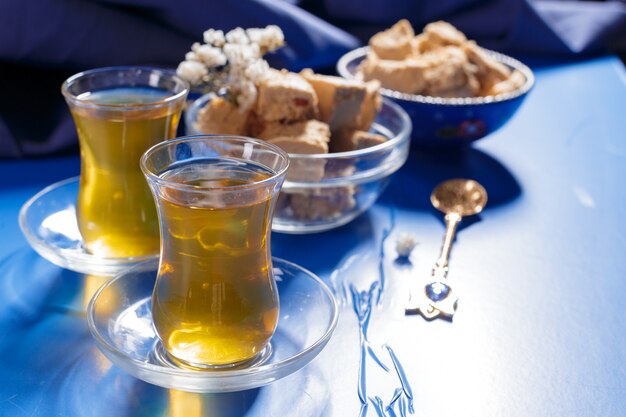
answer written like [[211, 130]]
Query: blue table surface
[[540, 328]]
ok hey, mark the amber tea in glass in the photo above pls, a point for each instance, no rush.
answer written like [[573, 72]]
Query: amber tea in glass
[[215, 302], [119, 113]]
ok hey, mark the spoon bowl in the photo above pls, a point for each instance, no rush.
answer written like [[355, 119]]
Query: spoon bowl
[[461, 196]]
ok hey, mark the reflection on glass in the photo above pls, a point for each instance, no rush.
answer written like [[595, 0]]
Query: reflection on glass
[[62, 223], [184, 404], [91, 284]]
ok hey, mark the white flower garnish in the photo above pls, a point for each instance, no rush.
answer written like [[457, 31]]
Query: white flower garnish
[[240, 55], [247, 95], [269, 38], [257, 70], [192, 71], [405, 243], [214, 37], [209, 55], [237, 36], [232, 62]]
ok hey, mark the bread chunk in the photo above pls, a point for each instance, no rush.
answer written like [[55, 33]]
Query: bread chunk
[[345, 140], [220, 116], [286, 97], [395, 42]]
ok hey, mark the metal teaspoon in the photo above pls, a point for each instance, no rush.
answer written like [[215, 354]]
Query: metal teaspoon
[[456, 198]]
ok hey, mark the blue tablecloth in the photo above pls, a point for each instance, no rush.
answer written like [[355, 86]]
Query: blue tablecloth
[[540, 329]]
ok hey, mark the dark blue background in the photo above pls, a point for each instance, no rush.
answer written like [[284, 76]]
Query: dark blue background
[[42, 42]]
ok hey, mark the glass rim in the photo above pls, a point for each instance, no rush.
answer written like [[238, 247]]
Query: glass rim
[[153, 176], [171, 97]]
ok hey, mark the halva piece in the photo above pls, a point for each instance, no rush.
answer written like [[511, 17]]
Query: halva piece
[[307, 137], [339, 100], [405, 76], [220, 116], [286, 97], [393, 43], [442, 63], [443, 33], [345, 140], [322, 203]]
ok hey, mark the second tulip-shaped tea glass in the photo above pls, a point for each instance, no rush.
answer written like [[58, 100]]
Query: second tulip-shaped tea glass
[[119, 113], [215, 302]]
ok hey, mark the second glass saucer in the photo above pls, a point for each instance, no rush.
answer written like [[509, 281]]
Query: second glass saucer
[[48, 220], [120, 319]]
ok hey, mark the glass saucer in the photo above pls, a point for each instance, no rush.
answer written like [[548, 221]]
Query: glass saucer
[[120, 320], [48, 220]]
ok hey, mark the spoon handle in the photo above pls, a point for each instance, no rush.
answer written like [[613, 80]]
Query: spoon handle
[[441, 266], [436, 298]]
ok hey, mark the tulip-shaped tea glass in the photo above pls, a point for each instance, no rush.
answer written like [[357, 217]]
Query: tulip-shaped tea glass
[[119, 113], [215, 302]]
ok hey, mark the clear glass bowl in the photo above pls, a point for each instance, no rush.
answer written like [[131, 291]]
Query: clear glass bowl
[[451, 121], [48, 221], [352, 181], [120, 320]]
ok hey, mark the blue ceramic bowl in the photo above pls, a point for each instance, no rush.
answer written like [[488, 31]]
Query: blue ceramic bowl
[[439, 121]]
